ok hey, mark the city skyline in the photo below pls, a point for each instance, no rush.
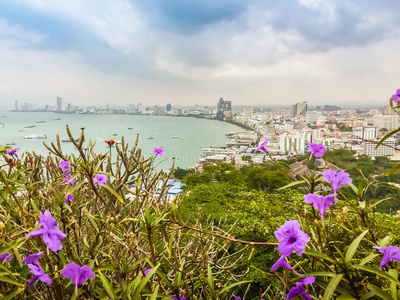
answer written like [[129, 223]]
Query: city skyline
[[157, 52]]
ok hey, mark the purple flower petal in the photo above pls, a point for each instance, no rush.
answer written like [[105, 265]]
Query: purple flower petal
[[281, 262], [158, 151], [52, 236], [100, 179], [6, 257], [319, 202], [291, 237], [64, 165], [336, 179], [39, 274], [262, 147], [77, 273], [318, 150], [33, 258], [389, 253]]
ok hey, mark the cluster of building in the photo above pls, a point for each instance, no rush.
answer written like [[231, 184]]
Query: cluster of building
[[289, 130]]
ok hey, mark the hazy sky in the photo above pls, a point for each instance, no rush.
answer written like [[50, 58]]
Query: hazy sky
[[196, 51]]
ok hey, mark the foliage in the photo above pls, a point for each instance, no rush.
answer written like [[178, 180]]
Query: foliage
[[117, 231]]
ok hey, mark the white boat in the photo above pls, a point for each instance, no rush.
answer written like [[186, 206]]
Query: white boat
[[175, 137], [66, 139], [35, 136], [11, 143], [151, 138]]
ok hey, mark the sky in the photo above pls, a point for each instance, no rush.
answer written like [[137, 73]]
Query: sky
[[253, 52]]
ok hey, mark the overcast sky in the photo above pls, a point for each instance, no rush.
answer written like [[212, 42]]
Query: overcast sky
[[196, 51]]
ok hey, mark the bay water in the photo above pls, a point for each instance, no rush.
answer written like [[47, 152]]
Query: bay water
[[181, 137]]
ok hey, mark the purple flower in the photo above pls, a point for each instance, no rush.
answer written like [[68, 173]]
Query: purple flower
[[236, 297], [33, 258], [262, 147], [336, 179], [158, 151], [77, 273], [100, 179], [396, 96], [67, 179], [318, 150], [69, 198], [389, 253], [281, 262], [320, 202], [64, 165], [299, 290], [38, 273], [12, 152], [147, 272], [291, 237], [6, 257], [52, 236]]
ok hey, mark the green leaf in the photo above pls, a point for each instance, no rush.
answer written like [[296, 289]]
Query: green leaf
[[178, 275], [379, 292], [143, 282], [376, 272], [113, 192], [353, 247], [330, 289], [386, 137], [13, 294], [383, 243], [155, 293], [210, 281], [318, 254], [92, 221], [227, 288], [321, 274], [393, 169], [346, 296], [393, 285], [9, 280], [107, 286], [291, 184], [367, 259], [367, 296]]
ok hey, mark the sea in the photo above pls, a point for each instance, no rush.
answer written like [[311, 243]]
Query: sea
[[182, 137]]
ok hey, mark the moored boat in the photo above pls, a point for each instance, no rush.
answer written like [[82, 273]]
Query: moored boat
[[35, 136]]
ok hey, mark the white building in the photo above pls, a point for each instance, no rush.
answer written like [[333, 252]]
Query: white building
[[312, 116], [60, 104], [248, 112], [292, 144], [327, 142], [389, 122], [366, 132], [369, 148], [140, 108]]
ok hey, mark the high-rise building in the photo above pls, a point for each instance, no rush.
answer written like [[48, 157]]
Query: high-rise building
[[382, 150], [292, 144], [140, 108], [312, 116], [248, 112], [16, 105], [365, 132], [224, 109], [299, 109], [168, 107], [387, 110], [389, 122], [60, 104], [131, 108]]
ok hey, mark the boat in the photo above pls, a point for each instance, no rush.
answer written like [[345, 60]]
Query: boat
[[67, 139], [115, 134], [130, 128], [57, 119], [11, 143], [41, 122], [30, 126], [151, 138], [35, 136], [175, 137], [21, 130]]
